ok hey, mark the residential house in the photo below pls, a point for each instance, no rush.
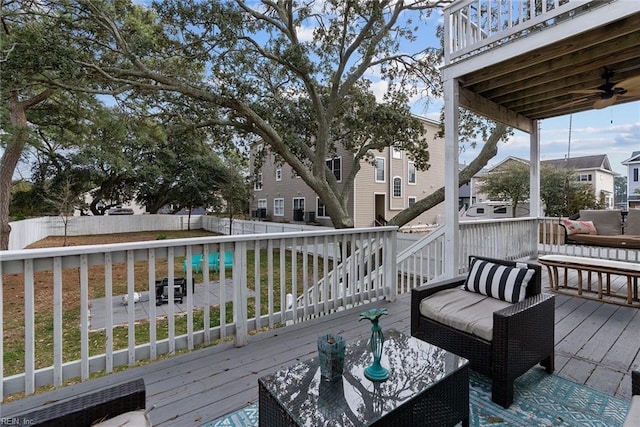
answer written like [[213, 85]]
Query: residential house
[[381, 190], [476, 181], [593, 170], [633, 180]]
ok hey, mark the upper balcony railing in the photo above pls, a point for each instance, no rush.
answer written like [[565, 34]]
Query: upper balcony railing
[[473, 26]]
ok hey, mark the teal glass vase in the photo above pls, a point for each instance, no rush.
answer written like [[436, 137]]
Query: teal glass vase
[[375, 371], [331, 350]]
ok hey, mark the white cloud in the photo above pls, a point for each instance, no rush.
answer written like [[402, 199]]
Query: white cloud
[[305, 34]]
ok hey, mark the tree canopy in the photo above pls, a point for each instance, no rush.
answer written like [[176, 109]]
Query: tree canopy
[[297, 76]]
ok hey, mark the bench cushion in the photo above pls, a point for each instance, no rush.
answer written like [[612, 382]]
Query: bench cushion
[[618, 241], [465, 311], [608, 222], [632, 222], [498, 281]]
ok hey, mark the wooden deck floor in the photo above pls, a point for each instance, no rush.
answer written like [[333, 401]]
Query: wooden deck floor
[[596, 344]]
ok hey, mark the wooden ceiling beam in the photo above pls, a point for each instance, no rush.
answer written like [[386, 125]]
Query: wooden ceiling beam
[[619, 49], [574, 44], [581, 73], [493, 111]]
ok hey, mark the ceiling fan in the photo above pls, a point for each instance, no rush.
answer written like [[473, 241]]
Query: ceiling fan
[[607, 93]]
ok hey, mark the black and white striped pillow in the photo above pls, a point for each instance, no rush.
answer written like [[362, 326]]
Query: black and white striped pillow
[[498, 281]]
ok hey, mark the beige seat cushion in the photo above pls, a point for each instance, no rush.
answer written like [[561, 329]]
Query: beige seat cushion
[[128, 419], [633, 416], [466, 311], [608, 222], [632, 222]]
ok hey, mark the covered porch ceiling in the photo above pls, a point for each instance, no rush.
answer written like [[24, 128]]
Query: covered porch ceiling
[[557, 78]]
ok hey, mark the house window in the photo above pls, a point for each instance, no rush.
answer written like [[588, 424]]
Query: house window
[[321, 210], [635, 175], [412, 201], [379, 169], [411, 179], [278, 207], [397, 186], [335, 165], [396, 153], [262, 209], [257, 185], [278, 174], [298, 203], [584, 177]]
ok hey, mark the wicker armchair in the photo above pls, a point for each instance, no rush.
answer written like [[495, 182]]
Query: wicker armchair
[[522, 334], [633, 416]]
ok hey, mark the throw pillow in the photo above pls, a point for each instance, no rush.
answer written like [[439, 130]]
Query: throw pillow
[[498, 281], [579, 227]]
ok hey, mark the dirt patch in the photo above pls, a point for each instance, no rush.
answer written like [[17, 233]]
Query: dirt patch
[[102, 239]]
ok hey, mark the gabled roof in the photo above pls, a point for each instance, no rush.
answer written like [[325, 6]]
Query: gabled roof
[[508, 159], [598, 161], [635, 158]]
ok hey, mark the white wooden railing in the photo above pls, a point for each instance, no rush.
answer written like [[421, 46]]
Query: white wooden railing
[[301, 274], [472, 26], [266, 265], [504, 238]]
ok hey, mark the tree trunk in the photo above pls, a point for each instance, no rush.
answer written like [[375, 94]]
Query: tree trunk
[[489, 150], [8, 162]]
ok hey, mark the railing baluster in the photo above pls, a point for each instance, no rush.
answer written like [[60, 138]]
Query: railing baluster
[[29, 327], [153, 317], [84, 317], [57, 322], [270, 281], [283, 282], [131, 315], [222, 290], [108, 305], [258, 287], [171, 320]]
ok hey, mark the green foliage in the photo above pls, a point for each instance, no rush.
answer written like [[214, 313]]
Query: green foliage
[[562, 195], [243, 72], [620, 189], [510, 181]]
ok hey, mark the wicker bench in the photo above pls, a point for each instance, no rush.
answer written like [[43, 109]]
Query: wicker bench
[[600, 267], [79, 409]]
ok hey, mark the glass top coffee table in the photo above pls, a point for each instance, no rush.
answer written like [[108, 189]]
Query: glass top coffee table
[[427, 386]]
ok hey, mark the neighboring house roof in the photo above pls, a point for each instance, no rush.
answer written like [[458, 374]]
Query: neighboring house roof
[[635, 158], [598, 161], [505, 160]]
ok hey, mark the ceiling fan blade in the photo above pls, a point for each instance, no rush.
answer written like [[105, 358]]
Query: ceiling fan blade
[[629, 84], [603, 103], [587, 91]]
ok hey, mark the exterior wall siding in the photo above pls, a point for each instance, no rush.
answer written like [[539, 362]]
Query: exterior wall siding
[[362, 203]]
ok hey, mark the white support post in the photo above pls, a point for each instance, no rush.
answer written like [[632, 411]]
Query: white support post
[[534, 177], [535, 207], [390, 265], [451, 190]]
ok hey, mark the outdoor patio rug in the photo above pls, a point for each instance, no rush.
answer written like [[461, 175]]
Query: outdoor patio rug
[[540, 400]]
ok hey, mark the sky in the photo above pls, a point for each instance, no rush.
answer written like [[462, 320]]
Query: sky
[[614, 131]]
